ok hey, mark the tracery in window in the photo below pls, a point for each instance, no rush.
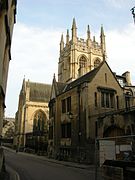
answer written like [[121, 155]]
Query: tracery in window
[[39, 123], [96, 63], [82, 66]]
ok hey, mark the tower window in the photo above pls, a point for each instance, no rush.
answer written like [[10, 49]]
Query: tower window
[[82, 66], [96, 63], [82, 62]]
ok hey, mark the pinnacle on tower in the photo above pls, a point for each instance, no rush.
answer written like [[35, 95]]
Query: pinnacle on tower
[[61, 43], [62, 40], [88, 36], [67, 37], [94, 39], [88, 32], [74, 31], [74, 24], [102, 40], [102, 31], [23, 84]]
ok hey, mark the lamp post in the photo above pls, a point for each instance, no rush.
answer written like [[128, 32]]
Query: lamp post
[[133, 13], [70, 115]]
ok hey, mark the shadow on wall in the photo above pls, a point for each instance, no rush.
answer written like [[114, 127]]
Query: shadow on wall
[[2, 160]]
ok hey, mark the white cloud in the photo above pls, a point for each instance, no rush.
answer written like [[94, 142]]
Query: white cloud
[[118, 3], [121, 50], [35, 49], [35, 54]]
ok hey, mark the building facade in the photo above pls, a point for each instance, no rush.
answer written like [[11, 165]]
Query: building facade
[[8, 128], [87, 102], [7, 20], [79, 56], [32, 115]]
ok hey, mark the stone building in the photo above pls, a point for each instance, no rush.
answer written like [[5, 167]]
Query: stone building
[[88, 101], [8, 128], [32, 115], [79, 56], [7, 20]]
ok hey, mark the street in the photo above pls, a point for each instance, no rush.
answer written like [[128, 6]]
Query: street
[[34, 168]]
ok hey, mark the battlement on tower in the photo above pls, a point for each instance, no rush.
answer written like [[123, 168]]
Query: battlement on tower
[[79, 56]]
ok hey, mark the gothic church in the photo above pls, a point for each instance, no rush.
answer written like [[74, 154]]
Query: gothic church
[[88, 101], [79, 56]]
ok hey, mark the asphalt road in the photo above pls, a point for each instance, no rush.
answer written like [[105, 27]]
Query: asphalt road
[[33, 168]]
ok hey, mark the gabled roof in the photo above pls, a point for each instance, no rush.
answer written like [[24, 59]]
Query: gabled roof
[[39, 92], [63, 87], [85, 78], [88, 77], [57, 88]]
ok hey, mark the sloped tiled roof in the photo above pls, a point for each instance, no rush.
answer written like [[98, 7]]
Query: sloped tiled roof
[[61, 87], [39, 92], [87, 77]]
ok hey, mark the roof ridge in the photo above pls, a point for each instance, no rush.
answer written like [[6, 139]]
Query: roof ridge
[[31, 82]]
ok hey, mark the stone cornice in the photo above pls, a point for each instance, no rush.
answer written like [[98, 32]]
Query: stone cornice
[[35, 105]]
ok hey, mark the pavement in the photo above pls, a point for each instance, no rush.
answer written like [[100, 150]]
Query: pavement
[[9, 174], [4, 175], [14, 175]]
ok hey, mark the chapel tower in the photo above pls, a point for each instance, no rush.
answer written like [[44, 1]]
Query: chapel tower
[[79, 56]]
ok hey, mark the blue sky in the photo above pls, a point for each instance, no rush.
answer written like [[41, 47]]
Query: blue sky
[[37, 33], [59, 13]]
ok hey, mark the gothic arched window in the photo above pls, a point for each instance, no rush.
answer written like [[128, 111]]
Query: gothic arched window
[[82, 66], [39, 123], [96, 63]]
